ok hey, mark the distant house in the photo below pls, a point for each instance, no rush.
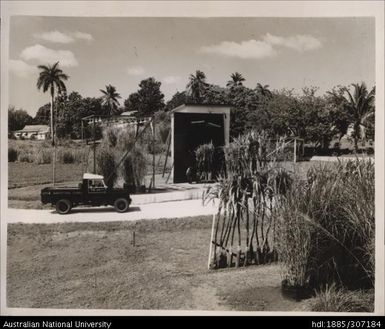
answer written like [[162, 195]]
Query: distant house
[[39, 132]]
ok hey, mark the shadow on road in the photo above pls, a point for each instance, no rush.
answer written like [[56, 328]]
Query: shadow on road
[[98, 210]]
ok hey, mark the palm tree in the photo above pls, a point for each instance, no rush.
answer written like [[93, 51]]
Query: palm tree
[[236, 80], [264, 91], [360, 106], [110, 98], [52, 77], [197, 85]]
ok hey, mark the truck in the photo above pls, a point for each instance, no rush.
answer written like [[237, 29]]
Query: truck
[[92, 191]]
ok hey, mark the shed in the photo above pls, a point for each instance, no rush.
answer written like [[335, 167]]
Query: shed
[[193, 125]]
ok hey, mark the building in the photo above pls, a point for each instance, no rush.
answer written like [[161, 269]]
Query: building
[[39, 132], [193, 125]]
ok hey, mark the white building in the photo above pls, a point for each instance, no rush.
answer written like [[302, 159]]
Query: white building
[[39, 132]]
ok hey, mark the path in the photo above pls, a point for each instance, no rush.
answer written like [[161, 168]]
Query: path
[[172, 209]]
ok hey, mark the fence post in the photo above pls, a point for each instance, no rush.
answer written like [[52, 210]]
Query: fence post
[[295, 149], [211, 242]]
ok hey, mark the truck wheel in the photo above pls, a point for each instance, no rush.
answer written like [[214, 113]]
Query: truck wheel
[[63, 206], [121, 205]]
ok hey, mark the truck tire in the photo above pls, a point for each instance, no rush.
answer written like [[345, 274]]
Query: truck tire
[[121, 205], [63, 206]]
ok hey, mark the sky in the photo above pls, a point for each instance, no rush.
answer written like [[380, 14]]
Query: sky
[[122, 51]]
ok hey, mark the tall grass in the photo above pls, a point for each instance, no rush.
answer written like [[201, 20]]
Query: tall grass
[[71, 155], [326, 227], [110, 136], [43, 155], [106, 166], [332, 299], [134, 167]]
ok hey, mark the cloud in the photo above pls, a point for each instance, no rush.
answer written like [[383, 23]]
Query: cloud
[[55, 36], [267, 47], [171, 79], [300, 43], [135, 70], [61, 37], [251, 49], [21, 68], [83, 36], [44, 55]]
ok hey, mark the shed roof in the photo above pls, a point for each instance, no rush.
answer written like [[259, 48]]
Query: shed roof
[[92, 176], [194, 105]]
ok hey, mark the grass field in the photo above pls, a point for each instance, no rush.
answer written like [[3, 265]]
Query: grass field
[[26, 179], [89, 265]]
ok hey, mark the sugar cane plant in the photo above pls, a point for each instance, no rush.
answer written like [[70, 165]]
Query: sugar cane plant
[[204, 155], [244, 226], [326, 227]]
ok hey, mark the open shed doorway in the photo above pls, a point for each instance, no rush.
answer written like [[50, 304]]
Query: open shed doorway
[[191, 129]]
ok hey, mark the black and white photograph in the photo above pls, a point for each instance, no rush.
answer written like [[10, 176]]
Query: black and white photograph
[[192, 158]]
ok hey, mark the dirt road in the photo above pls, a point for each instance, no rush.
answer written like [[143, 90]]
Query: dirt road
[[174, 209]]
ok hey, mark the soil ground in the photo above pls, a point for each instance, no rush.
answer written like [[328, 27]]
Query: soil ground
[[96, 265]]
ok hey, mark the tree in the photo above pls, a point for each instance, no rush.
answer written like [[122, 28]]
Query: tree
[[287, 117], [214, 94], [360, 105], [147, 100], [110, 99], [263, 91], [17, 119], [336, 102], [197, 86], [70, 112], [179, 98], [51, 77], [236, 80], [132, 103], [43, 114]]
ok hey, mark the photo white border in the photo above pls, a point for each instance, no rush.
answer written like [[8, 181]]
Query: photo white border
[[196, 9]]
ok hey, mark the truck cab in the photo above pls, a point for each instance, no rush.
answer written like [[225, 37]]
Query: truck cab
[[93, 187]]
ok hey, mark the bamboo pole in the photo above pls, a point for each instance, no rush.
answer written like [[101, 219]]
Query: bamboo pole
[[247, 233], [153, 152], [211, 242], [94, 145], [168, 150], [239, 240]]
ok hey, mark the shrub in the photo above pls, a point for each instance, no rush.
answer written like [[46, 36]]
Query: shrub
[[111, 136], [156, 147], [332, 299], [128, 172], [126, 140], [12, 154], [204, 155], [25, 156], [68, 157], [11, 135], [107, 166], [43, 156], [134, 167]]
